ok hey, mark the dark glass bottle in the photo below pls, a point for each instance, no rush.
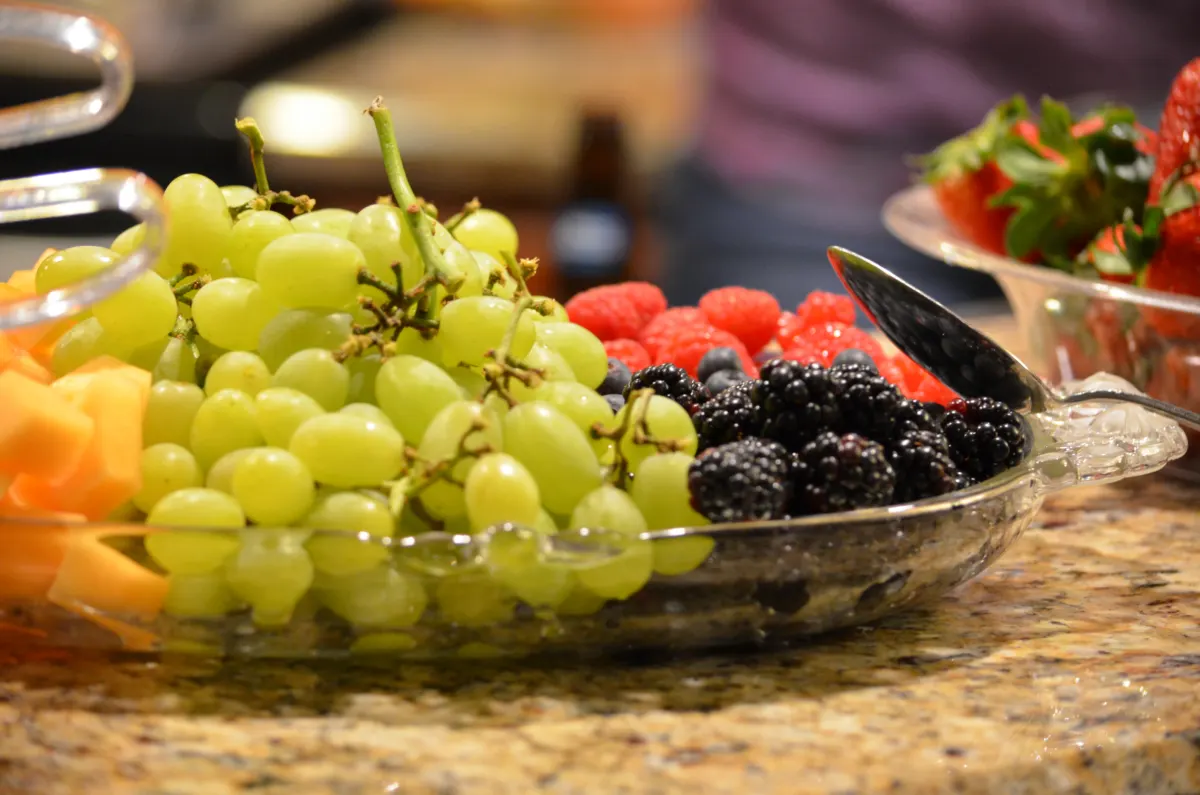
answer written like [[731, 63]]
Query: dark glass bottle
[[591, 237]]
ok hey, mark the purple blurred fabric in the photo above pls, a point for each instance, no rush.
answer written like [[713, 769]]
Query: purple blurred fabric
[[824, 97]]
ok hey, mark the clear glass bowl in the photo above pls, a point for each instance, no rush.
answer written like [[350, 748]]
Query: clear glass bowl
[[751, 583], [1076, 327]]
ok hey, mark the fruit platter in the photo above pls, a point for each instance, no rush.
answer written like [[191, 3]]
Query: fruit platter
[[1090, 225], [256, 426]]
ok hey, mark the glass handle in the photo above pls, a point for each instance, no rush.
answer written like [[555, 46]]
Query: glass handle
[[79, 193], [72, 114]]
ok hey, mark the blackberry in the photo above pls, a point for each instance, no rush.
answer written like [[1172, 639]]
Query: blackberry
[[856, 357], [740, 482], [671, 382], [986, 437], [867, 401], [923, 467], [912, 416], [840, 473], [617, 378], [716, 360], [721, 380], [730, 416], [798, 401]]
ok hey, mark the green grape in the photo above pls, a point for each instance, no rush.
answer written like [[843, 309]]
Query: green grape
[[139, 313], [545, 523], [310, 270], [488, 231], [232, 313], [412, 391], [552, 311], [448, 434], [169, 412], [316, 373], [411, 343], [273, 486], [580, 347], [200, 225], [608, 508], [471, 327], [665, 420], [473, 599], [379, 597], [239, 370], [128, 241], [295, 330], [237, 195], [674, 556], [363, 371], [470, 380], [223, 423], [271, 572], [330, 221], [660, 490], [583, 406], [368, 412], [580, 602], [71, 265], [83, 342], [457, 255], [383, 643], [194, 552], [382, 234], [166, 468], [196, 507], [206, 356], [250, 235], [499, 489], [554, 451], [348, 451], [552, 368], [515, 560], [176, 361], [493, 272], [279, 411], [343, 512], [222, 271], [621, 576], [220, 474], [199, 596]]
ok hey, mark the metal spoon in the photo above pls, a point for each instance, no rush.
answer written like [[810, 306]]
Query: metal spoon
[[963, 358]]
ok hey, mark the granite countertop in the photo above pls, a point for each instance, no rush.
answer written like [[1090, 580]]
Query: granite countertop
[[1072, 666]]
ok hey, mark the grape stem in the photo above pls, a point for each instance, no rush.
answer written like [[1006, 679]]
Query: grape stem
[[186, 270], [634, 425], [419, 223], [470, 208], [184, 288], [266, 198], [444, 469], [503, 367]]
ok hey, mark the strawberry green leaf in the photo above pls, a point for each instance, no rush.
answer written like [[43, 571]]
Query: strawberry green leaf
[[1025, 229], [1111, 263], [1181, 196], [1054, 130], [1021, 163], [973, 149]]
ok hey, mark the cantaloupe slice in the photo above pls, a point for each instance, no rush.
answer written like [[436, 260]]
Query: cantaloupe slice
[[23, 281], [139, 378], [109, 471], [32, 545], [26, 365], [42, 434], [94, 575]]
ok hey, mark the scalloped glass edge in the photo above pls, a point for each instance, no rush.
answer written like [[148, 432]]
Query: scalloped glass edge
[[913, 217], [859, 565]]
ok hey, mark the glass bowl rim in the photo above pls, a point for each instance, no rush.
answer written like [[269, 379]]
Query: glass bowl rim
[[956, 251]]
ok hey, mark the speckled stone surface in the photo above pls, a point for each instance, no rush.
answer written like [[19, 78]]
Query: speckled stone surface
[[1072, 666]]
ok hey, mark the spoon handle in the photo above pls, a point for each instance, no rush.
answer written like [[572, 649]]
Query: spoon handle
[[1182, 416]]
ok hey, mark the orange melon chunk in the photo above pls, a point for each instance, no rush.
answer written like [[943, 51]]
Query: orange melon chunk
[[109, 471], [32, 545], [94, 575], [23, 281], [139, 378], [41, 433]]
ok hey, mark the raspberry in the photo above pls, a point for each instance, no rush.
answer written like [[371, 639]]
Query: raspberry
[[789, 330], [629, 351], [821, 307], [830, 339], [647, 300], [889, 369], [606, 312], [749, 315], [666, 322], [932, 390], [803, 352], [685, 346]]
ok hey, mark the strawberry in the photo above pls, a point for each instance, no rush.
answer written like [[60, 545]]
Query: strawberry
[[1176, 269], [965, 177], [1179, 129], [1107, 254]]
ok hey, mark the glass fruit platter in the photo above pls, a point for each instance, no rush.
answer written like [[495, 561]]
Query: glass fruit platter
[[253, 426]]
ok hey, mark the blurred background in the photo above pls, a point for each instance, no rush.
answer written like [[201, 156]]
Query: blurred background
[[690, 143]]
